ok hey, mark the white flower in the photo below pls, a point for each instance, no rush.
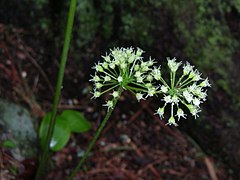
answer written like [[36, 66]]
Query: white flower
[[173, 65], [195, 75], [202, 95], [167, 99], [149, 77], [117, 61], [140, 79], [180, 113], [112, 65], [175, 99], [192, 87], [139, 96], [129, 51], [143, 64], [136, 68], [115, 94], [139, 52], [160, 112], [149, 85], [205, 83], [187, 68], [98, 85], [171, 121], [188, 96], [150, 62], [105, 65], [96, 94], [156, 73], [145, 68], [151, 91], [197, 91], [123, 66], [107, 78], [96, 78], [193, 110], [99, 68], [131, 59], [120, 79], [138, 74], [107, 58], [164, 89], [196, 102], [109, 104]]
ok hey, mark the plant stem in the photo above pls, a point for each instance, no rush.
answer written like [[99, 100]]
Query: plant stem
[[45, 156], [174, 77], [171, 79], [97, 134]]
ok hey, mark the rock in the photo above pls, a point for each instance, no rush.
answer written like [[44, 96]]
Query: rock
[[16, 125]]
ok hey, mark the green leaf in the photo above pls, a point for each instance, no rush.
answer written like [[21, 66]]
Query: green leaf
[[8, 144], [61, 132], [76, 121]]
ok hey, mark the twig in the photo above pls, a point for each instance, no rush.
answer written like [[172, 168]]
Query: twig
[[174, 133], [135, 115], [150, 166], [209, 164], [38, 67], [109, 170], [210, 168]]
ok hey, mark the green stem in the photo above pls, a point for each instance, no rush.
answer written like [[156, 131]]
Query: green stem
[[186, 83], [138, 84], [45, 156], [171, 79], [111, 75], [109, 89], [97, 134], [172, 109], [180, 79], [174, 76], [164, 83], [136, 89]]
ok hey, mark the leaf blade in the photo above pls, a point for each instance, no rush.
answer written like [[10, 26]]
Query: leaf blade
[[61, 133], [77, 123]]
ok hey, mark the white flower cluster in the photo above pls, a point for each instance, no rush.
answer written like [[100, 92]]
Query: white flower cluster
[[123, 68], [188, 90]]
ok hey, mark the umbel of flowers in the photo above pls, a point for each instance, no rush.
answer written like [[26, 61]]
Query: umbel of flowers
[[188, 90], [125, 69]]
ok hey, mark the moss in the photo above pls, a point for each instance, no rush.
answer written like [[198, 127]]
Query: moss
[[208, 41], [115, 22], [88, 22]]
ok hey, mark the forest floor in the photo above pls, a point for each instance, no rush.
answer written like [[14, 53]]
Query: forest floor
[[135, 144]]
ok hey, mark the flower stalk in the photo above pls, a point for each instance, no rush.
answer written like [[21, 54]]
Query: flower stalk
[[45, 155], [96, 136], [122, 69]]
